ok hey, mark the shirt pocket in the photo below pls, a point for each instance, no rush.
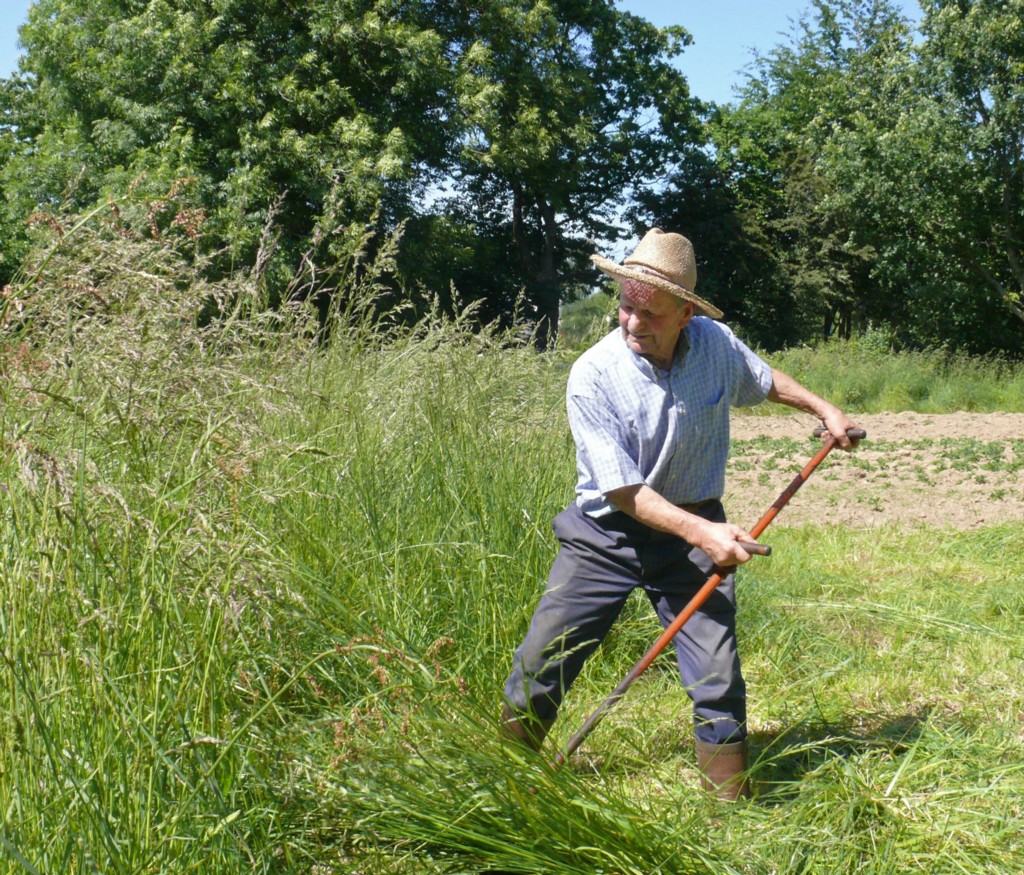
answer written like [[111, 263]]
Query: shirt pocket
[[716, 397], [702, 420]]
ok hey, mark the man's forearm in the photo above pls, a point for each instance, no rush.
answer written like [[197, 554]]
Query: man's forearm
[[786, 390], [648, 507], [723, 542]]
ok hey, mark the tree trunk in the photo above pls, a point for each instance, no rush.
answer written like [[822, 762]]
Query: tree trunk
[[543, 288], [548, 292]]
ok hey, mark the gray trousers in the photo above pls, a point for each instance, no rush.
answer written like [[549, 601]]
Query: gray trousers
[[601, 561]]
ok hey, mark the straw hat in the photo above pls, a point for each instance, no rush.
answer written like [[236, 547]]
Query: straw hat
[[665, 261]]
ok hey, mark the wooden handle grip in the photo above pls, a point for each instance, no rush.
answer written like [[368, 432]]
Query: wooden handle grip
[[854, 434]]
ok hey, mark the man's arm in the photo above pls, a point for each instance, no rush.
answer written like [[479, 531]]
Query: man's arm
[[721, 541], [786, 390]]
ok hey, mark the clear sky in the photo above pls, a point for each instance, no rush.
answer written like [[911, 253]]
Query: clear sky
[[725, 35], [12, 14]]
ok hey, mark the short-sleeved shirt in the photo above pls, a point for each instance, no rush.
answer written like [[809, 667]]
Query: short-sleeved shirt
[[636, 424]]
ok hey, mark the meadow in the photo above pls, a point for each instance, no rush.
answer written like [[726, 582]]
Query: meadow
[[260, 593]]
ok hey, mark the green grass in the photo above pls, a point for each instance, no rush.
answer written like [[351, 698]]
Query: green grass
[[585, 321], [858, 376], [259, 597]]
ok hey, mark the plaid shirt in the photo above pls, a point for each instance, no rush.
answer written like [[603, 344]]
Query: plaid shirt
[[634, 423]]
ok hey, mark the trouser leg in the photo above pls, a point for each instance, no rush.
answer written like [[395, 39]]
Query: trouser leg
[[573, 616], [706, 653], [586, 591], [709, 667]]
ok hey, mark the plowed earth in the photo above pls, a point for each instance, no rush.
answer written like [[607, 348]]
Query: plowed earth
[[960, 471]]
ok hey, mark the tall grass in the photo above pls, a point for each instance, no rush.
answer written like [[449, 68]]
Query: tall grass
[[259, 596], [859, 375]]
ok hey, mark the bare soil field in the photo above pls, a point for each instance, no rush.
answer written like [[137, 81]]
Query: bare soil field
[[959, 471]]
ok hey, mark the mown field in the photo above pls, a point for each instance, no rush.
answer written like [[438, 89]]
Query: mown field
[[259, 595]]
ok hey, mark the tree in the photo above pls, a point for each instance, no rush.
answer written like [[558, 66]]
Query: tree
[[335, 117], [913, 154], [13, 244], [316, 113], [774, 151], [569, 108], [737, 268], [946, 176]]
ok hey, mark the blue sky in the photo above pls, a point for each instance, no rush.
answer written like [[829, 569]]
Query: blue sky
[[725, 35], [12, 14]]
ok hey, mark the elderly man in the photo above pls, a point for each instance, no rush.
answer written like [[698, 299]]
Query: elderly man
[[649, 411]]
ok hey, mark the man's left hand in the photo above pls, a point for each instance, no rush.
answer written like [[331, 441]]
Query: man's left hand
[[837, 424]]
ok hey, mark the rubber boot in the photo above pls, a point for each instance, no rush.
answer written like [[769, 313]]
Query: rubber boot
[[723, 769], [524, 729]]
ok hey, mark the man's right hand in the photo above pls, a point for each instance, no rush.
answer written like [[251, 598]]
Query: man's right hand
[[721, 541]]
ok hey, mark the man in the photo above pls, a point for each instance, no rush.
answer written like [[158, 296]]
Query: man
[[649, 411]]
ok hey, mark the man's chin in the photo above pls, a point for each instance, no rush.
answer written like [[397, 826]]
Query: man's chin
[[638, 346]]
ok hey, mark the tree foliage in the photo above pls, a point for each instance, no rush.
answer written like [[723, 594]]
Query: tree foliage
[[571, 107], [807, 272], [315, 112], [887, 172], [869, 176], [299, 125]]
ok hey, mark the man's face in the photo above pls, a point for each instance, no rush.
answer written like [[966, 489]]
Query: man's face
[[651, 321]]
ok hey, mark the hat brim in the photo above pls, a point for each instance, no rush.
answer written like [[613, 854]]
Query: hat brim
[[622, 272]]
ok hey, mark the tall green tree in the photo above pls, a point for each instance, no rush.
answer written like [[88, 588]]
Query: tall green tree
[[570, 108], [737, 266], [978, 49], [12, 238], [315, 111], [943, 171], [297, 127], [774, 151]]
